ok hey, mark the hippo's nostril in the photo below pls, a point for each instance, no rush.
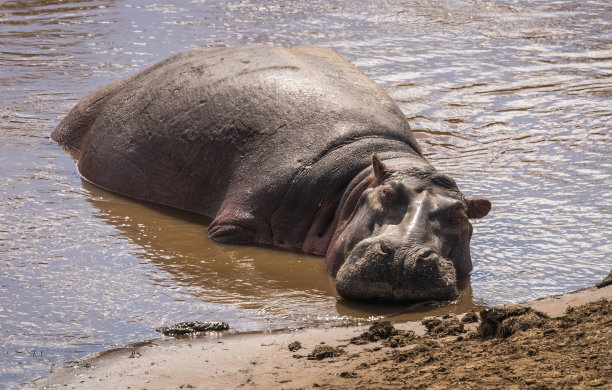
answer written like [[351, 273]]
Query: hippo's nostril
[[423, 257], [386, 248], [380, 252], [424, 253]]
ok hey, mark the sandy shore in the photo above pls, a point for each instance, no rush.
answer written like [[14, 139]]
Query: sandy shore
[[538, 356]]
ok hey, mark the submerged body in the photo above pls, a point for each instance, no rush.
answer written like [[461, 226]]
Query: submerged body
[[276, 145]]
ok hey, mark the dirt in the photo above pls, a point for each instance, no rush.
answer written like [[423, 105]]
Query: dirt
[[448, 325], [378, 331], [470, 317], [385, 332], [514, 347], [506, 321], [324, 351]]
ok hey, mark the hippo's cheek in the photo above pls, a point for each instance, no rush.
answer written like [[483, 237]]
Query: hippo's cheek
[[377, 270]]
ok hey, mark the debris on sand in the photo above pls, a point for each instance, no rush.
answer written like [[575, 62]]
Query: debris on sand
[[378, 331], [322, 351], [294, 346], [191, 327], [384, 331], [449, 325], [421, 352], [503, 322], [597, 311], [401, 339], [573, 351], [470, 317]]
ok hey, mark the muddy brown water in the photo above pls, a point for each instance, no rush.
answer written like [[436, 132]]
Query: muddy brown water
[[511, 98]]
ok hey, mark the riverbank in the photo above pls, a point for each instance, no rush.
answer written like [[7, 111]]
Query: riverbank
[[540, 344]]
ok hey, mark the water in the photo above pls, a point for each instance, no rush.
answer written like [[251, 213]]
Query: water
[[511, 98]]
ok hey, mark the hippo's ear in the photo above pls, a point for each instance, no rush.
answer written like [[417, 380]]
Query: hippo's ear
[[380, 170], [478, 208]]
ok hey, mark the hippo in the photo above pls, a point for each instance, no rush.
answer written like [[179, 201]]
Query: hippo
[[287, 147]]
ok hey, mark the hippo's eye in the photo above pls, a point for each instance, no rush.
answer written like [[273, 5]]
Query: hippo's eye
[[388, 194]]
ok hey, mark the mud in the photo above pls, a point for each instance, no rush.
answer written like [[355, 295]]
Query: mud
[[192, 327], [470, 317], [384, 331], [505, 321], [448, 325], [322, 351], [518, 348], [377, 331]]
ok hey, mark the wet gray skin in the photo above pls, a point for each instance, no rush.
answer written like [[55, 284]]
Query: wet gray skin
[[408, 237]]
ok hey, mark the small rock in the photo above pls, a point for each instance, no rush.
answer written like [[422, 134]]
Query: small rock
[[189, 327], [294, 346], [606, 282], [135, 354]]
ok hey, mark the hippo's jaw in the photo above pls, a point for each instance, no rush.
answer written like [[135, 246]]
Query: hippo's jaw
[[377, 270]]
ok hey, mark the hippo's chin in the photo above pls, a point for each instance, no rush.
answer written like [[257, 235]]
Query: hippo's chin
[[379, 271]]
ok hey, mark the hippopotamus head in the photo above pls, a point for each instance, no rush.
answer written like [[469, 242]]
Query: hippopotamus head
[[403, 234]]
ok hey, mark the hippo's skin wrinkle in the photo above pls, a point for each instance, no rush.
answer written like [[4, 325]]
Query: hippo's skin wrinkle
[[294, 148]]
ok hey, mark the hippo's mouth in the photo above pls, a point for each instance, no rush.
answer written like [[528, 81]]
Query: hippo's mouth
[[379, 270]]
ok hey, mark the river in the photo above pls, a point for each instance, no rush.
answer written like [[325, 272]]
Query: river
[[511, 98]]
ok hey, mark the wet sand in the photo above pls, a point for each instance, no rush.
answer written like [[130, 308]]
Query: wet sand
[[549, 347]]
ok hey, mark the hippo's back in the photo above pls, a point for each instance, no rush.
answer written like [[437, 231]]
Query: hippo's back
[[187, 130]]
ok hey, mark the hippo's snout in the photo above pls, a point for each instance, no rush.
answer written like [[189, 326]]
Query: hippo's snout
[[380, 270]]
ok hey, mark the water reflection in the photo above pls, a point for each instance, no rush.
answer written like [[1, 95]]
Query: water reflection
[[415, 312], [176, 241]]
